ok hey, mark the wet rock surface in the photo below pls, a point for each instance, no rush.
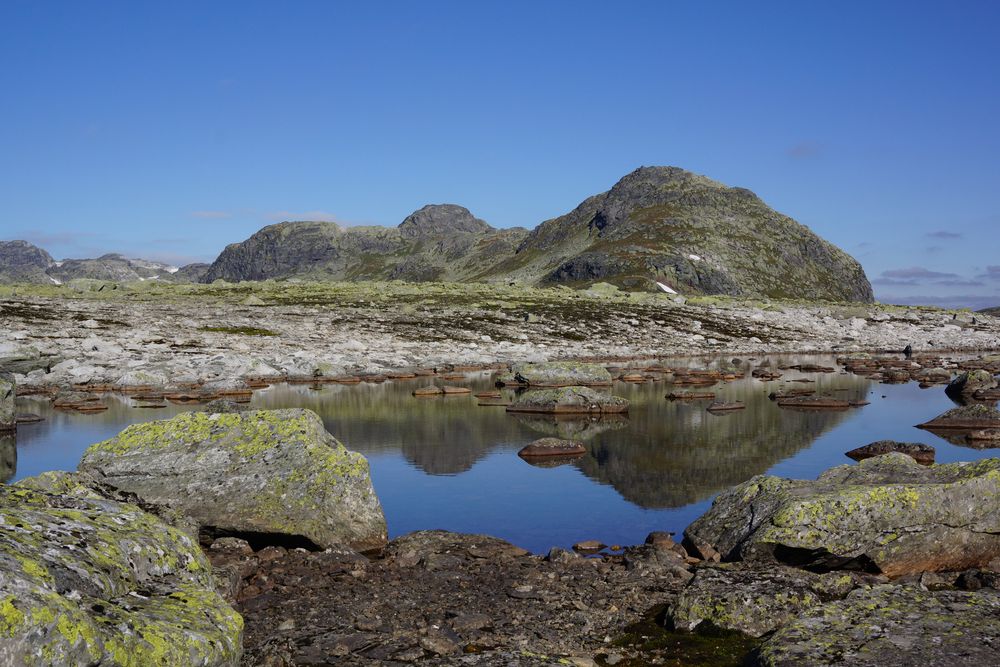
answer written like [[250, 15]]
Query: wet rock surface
[[271, 472], [92, 581], [8, 415], [887, 514], [441, 598]]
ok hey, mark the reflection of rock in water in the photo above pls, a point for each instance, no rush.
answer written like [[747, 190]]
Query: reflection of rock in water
[[8, 457], [572, 427], [675, 453]]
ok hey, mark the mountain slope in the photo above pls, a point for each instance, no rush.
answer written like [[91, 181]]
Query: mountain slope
[[697, 235]]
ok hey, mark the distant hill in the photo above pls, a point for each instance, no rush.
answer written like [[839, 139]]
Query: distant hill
[[22, 262], [995, 311], [657, 224]]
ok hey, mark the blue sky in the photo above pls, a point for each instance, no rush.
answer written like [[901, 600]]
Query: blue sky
[[168, 129]]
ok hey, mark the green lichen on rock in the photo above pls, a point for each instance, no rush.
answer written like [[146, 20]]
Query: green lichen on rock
[[93, 581], [260, 471], [888, 514], [753, 599]]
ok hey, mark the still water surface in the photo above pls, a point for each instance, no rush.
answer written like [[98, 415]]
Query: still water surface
[[447, 463]]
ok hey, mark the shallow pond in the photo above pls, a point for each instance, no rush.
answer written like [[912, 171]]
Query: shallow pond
[[448, 463]]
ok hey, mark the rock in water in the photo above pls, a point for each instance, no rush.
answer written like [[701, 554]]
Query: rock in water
[[545, 447], [562, 374], [8, 416], [891, 625], [887, 514], [568, 400], [918, 451], [969, 382], [95, 582], [272, 472]]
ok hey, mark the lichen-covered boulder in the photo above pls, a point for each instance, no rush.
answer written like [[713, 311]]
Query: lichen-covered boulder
[[964, 418], [561, 374], [887, 514], [272, 472], [569, 400], [87, 581], [891, 625], [969, 382], [753, 599], [8, 416]]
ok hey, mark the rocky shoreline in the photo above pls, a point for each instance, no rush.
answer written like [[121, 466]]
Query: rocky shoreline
[[147, 334]]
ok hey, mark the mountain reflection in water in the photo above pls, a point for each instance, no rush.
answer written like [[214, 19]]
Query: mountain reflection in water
[[446, 462]]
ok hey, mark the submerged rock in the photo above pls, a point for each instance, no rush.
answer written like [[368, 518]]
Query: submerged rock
[[886, 514], [273, 472], [91, 581], [568, 400], [918, 451], [561, 374], [891, 625]]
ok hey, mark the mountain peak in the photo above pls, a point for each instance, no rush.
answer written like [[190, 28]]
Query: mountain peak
[[442, 219]]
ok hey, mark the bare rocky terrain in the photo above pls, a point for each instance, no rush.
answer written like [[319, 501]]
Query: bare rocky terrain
[[160, 334]]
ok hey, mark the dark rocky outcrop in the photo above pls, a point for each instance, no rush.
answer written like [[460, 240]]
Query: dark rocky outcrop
[[8, 416], [22, 262], [968, 383]]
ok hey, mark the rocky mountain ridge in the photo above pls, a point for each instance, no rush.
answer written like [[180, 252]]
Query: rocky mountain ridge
[[22, 262], [657, 228]]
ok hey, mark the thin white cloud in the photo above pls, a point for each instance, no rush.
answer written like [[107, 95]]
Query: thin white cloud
[[211, 215], [315, 216]]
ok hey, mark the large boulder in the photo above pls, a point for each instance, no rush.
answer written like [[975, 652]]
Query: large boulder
[[891, 625], [561, 374], [969, 382], [8, 416], [270, 472], [569, 400], [887, 514], [87, 581]]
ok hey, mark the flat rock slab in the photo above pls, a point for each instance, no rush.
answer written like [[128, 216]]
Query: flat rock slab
[[569, 400], [275, 472], [887, 514], [89, 581], [891, 625], [918, 451], [968, 417]]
